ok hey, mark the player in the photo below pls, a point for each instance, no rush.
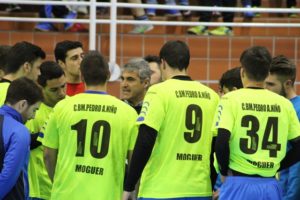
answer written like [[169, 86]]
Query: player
[[281, 80], [68, 55], [175, 126], [53, 82], [254, 126], [88, 138], [154, 64]]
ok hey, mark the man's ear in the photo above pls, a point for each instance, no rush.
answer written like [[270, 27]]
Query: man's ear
[[21, 106], [147, 83], [26, 67], [288, 84], [62, 64]]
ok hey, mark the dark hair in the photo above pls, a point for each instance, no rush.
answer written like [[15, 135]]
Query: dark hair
[[176, 54], [152, 58], [256, 62], [23, 89], [20, 53], [231, 78], [4, 49], [49, 70], [284, 68], [94, 68], [63, 47]]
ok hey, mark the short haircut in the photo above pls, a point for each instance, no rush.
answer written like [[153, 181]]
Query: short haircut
[[4, 49], [231, 78], [256, 62], [152, 58], [49, 70], [23, 89], [21, 53], [284, 68], [140, 66], [176, 54], [63, 47], [94, 69]]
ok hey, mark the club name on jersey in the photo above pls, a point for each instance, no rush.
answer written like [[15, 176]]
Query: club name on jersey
[[262, 164], [261, 107], [89, 169], [95, 108], [188, 156], [192, 94]]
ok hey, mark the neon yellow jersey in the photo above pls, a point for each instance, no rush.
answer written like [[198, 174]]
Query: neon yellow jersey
[[93, 133], [182, 112], [39, 181], [260, 122], [3, 92]]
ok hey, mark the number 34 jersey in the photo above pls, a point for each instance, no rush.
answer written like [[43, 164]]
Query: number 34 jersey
[[93, 133], [182, 112], [260, 122]]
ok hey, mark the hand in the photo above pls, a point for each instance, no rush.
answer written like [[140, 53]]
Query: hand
[[126, 195]]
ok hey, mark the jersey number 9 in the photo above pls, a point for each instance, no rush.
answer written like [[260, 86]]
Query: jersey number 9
[[193, 122]]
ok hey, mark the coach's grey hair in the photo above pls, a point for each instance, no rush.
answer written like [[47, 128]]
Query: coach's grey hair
[[140, 66]]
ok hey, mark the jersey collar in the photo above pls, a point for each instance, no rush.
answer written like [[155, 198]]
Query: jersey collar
[[182, 77], [95, 92]]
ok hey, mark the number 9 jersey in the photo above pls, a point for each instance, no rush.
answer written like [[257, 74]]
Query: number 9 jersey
[[261, 123], [182, 112], [93, 133]]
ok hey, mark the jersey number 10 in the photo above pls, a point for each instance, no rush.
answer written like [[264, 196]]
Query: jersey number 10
[[80, 127]]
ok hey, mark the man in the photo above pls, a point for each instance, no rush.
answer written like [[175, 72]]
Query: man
[[154, 64], [281, 80], [175, 126], [253, 128], [4, 49], [230, 81], [135, 80], [23, 59], [68, 55], [53, 83], [22, 100], [88, 138]]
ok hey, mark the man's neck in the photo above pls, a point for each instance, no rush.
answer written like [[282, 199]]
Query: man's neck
[[11, 77], [99, 88], [73, 79], [171, 73], [291, 94], [254, 84]]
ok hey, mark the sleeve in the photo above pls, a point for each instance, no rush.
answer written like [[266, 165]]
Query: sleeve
[[51, 132], [153, 111], [14, 160], [294, 126]]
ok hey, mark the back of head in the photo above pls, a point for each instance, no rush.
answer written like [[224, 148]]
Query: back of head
[[49, 70], [21, 53], [94, 69], [140, 66], [176, 54], [23, 89], [231, 78], [152, 58], [63, 47], [284, 68], [256, 62], [4, 49]]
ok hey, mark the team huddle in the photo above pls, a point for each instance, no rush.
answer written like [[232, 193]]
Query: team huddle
[[169, 137]]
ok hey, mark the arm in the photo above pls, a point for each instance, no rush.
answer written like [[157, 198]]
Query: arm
[[213, 173], [141, 154], [34, 142], [15, 158], [50, 158], [222, 150], [292, 155]]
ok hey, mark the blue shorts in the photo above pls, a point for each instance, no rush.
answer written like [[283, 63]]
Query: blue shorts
[[180, 198], [249, 188]]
